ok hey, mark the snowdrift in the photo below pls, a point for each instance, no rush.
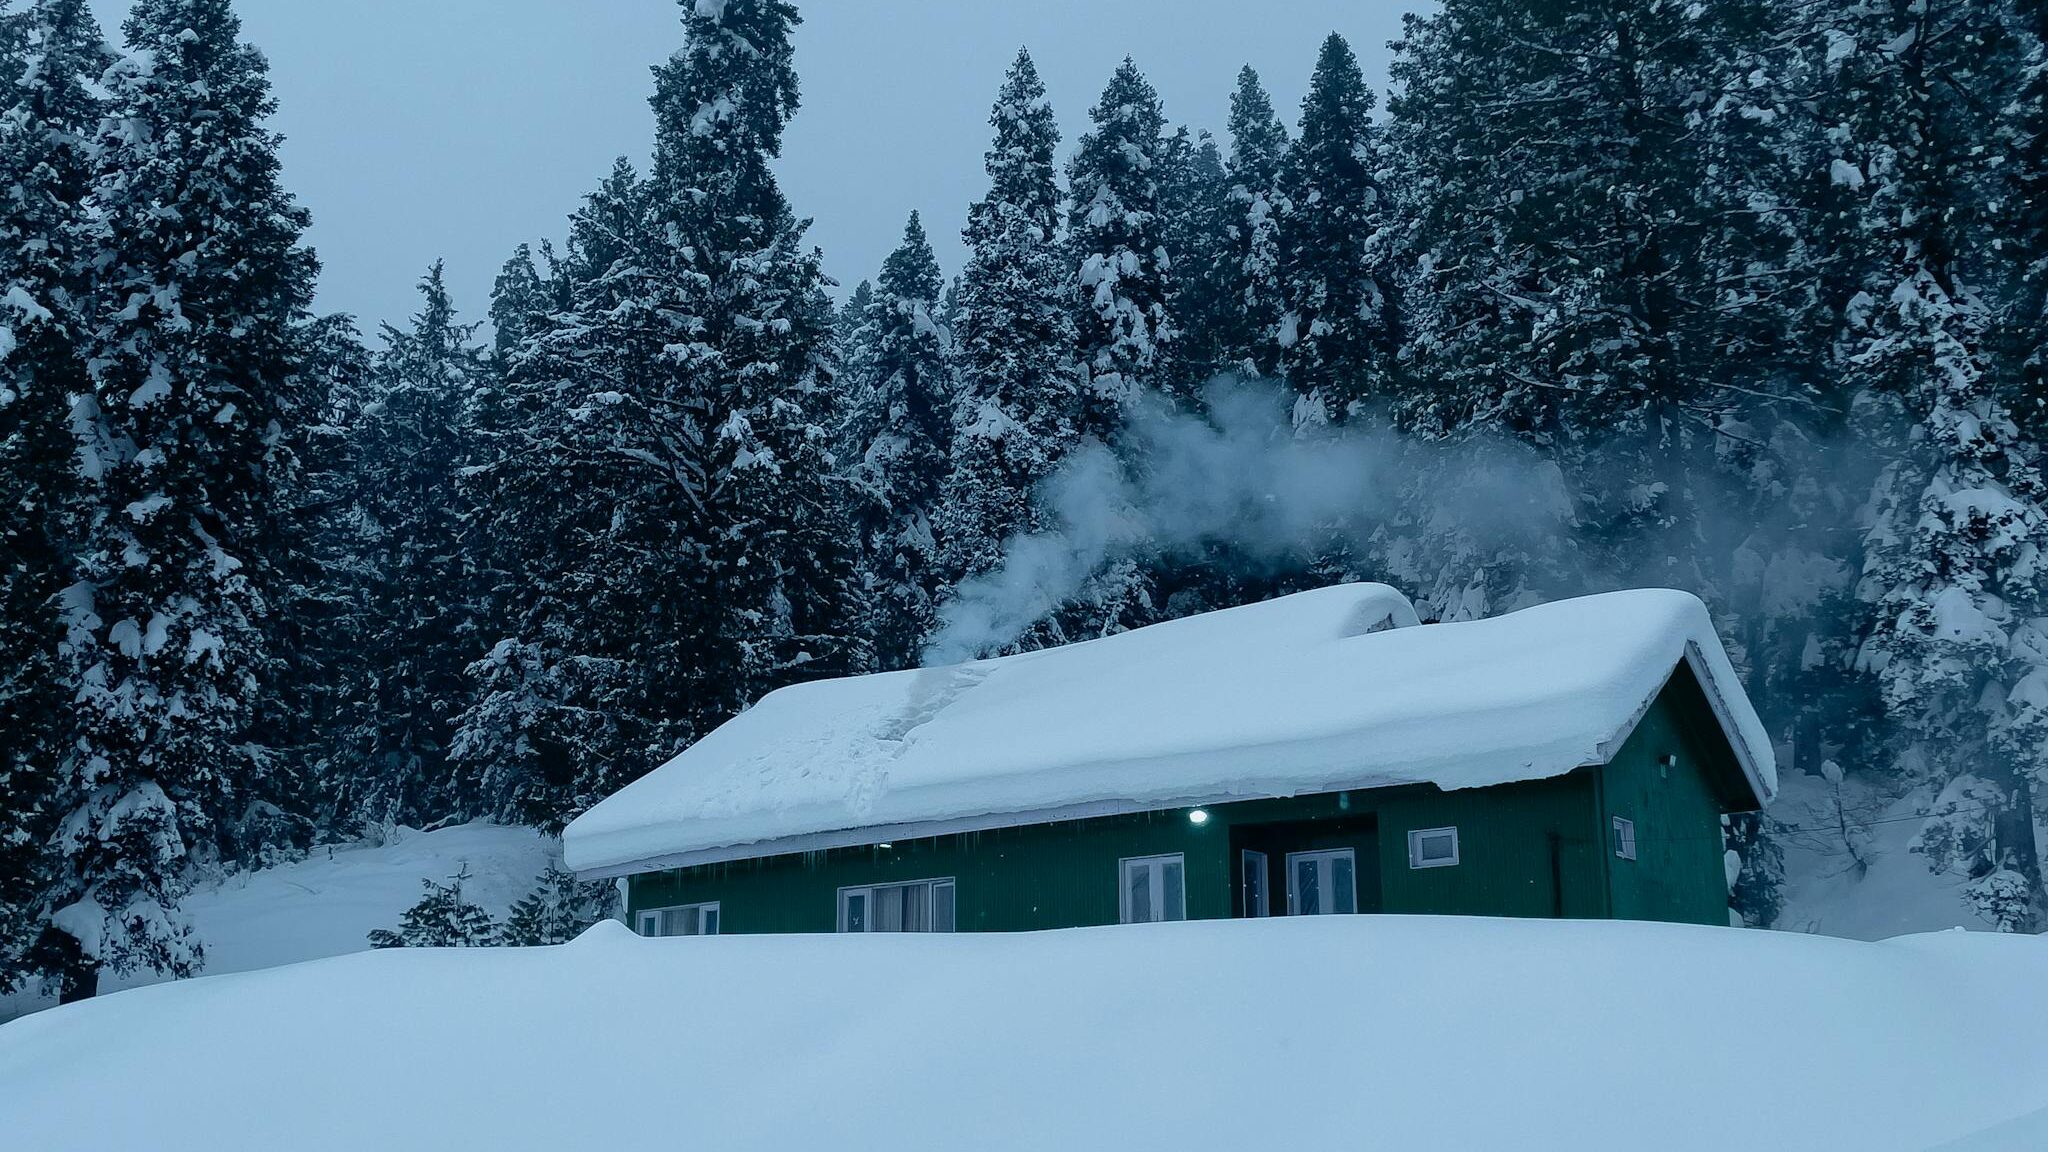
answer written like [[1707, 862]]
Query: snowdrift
[[1345, 1032]]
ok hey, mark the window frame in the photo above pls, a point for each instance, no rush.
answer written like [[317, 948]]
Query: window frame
[[700, 907], [1415, 838], [1624, 837], [931, 886], [1123, 885], [1319, 855]]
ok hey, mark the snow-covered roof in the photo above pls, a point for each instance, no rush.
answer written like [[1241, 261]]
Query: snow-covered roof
[[1308, 693]]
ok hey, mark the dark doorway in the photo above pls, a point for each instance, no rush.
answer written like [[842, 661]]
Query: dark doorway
[[1305, 867]]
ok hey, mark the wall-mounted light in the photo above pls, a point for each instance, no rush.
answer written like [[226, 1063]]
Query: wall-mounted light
[[1198, 817], [885, 844]]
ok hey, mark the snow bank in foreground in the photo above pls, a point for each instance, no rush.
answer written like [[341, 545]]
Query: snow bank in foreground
[[326, 904], [1388, 1032]]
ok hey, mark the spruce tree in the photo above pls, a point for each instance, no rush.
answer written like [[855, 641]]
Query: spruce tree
[[1018, 410], [661, 453], [750, 327], [1249, 326], [50, 60], [1959, 517], [202, 286], [1339, 334], [900, 431], [410, 440], [1123, 273], [443, 918], [557, 911], [2022, 221], [566, 533], [1194, 200]]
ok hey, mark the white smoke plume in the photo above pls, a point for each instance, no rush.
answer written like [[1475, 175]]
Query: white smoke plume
[[1238, 477]]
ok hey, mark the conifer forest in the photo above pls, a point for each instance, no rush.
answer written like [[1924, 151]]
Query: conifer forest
[[1742, 297]]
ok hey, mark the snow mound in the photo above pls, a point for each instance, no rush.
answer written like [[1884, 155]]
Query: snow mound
[[1387, 1032], [1320, 691]]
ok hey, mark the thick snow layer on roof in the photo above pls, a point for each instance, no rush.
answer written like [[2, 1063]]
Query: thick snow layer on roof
[[1386, 1032], [1306, 693]]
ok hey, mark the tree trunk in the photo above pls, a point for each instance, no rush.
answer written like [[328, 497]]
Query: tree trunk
[[2017, 848]]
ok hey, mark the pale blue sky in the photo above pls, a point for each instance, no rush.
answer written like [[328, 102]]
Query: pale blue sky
[[457, 128]]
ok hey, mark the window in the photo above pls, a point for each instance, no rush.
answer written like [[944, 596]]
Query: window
[[1432, 847], [1322, 883], [1624, 838], [1154, 889], [917, 906], [681, 920], [1252, 882]]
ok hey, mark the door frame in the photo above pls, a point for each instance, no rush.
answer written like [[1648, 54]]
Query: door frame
[[1293, 898]]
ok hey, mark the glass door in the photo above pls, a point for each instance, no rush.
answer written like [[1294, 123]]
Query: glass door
[[1322, 883], [1251, 880]]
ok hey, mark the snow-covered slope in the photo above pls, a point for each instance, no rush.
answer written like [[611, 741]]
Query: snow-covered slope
[[1293, 695], [1341, 1032], [1849, 870], [326, 904]]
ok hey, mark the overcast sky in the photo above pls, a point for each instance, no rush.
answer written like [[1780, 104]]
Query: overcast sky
[[419, 129]]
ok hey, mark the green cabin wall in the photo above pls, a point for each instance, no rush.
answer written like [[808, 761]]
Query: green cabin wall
[[1537, 848]]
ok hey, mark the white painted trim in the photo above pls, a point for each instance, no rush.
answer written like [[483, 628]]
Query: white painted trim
[[1624, 830], [1415, 859]]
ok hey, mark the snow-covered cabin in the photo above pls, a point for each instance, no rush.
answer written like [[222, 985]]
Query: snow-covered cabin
[[1317, 753]]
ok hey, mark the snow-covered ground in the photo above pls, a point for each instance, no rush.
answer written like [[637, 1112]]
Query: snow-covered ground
[[1851, 873], [326, 904], [1393, 1032]]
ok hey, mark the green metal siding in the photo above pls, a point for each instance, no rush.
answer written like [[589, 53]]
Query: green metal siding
[[1677, 874], [1538, 848]]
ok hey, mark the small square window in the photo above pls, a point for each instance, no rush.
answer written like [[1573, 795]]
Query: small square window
[[1432, 847], [1624, 838]]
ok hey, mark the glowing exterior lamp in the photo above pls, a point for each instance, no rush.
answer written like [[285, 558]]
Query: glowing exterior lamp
[[1198, 817]]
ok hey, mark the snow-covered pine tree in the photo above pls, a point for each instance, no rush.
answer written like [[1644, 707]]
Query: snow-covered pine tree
[[749, 331], [1123, 276], [846, 324], [899, 433], [557, 911], [51, 56], [1339, 333], [657, 482], [411, 437], [325, 608], [2021, 220], [1194, 205], [1953, 573], [201, 291], [1590, 264], [567, 537], [443, 918], [1258, 146], [1018, 409]]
